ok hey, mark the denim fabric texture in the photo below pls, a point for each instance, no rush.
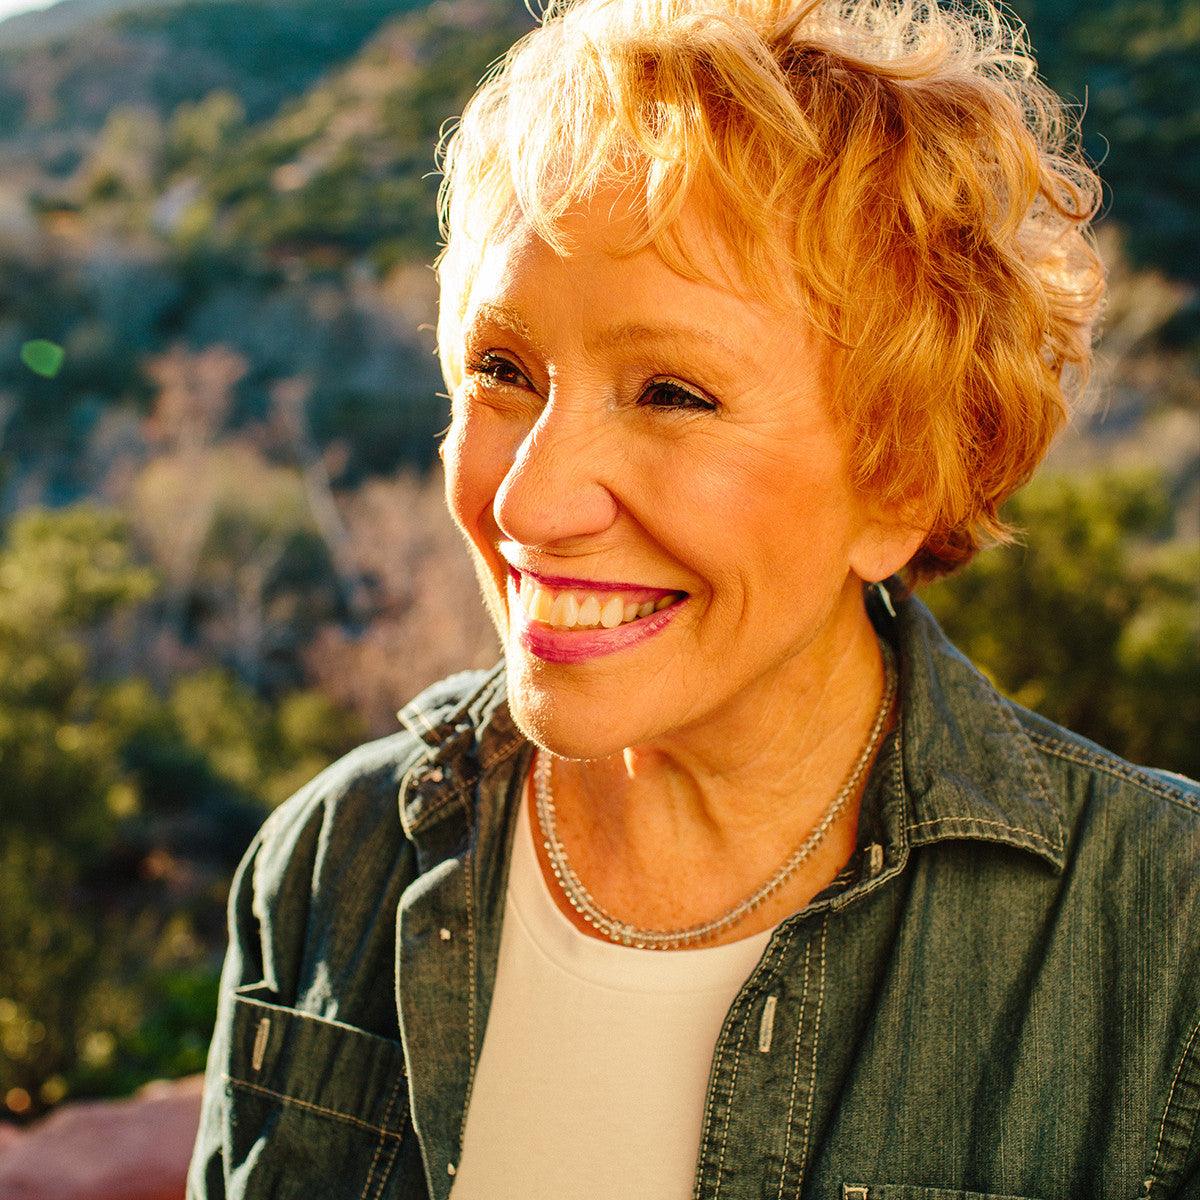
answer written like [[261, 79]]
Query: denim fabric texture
[[999, 998]]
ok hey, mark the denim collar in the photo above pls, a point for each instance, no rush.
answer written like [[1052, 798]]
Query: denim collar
[[970, 769], [966, 767]]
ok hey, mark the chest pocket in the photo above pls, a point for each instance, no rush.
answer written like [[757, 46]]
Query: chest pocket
[[900, 1191], [315, 1107]]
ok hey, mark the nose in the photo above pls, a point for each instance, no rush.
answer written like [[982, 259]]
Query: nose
[[555, 490]]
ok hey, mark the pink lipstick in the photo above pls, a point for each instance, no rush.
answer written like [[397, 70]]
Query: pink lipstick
[[552, 644]]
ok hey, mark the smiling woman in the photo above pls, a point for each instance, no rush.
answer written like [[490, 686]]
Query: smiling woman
[[732, 878]]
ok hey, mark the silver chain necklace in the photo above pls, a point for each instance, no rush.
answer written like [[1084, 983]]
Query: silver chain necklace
[[668, 939]]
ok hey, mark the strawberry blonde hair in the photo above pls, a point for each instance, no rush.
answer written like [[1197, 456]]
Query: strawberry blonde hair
[[892, 170]]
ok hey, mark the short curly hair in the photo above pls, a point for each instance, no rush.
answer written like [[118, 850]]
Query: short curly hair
[[894, 170]]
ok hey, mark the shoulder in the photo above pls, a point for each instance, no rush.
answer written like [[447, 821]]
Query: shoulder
[[360, 791], [354, 803], [1132, 835], [1086, 772]]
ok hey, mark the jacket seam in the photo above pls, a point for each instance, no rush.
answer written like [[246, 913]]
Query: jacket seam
[[737, 1061], [387, 1169], [1088, 758], [469, 884], [812, 1075], [1033, 769], [380, 1144], [765, 971], [429, 734], [1162, 1128], [969, 820], [456, 708], [456, 798], [787, 1140], [320, 1108], [844, 899]]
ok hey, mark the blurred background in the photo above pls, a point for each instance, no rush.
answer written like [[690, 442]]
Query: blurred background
[[224, 556]]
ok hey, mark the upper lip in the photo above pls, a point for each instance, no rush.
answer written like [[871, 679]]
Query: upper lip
[[588, 585]]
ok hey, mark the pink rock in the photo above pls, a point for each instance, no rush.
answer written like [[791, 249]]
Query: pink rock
[[134, 1149]]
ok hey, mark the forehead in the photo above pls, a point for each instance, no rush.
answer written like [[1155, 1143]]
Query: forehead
[[614, 296]]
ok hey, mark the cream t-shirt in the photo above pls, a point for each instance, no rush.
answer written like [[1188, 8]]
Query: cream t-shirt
[[592, 1078]]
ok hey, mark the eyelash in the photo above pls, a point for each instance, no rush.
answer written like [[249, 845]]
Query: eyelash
[[489, 365]]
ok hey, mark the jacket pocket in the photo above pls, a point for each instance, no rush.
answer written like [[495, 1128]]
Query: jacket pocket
[[900, 1191], [315, 1107]]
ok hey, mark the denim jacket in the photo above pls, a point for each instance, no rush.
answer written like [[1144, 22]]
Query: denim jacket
[[998, 997]]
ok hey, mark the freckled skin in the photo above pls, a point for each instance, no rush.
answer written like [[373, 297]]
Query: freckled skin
[[701, 757]]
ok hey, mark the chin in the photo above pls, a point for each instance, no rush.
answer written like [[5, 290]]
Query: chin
[[568, 728]]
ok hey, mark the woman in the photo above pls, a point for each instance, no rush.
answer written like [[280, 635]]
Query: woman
[[732, 878]]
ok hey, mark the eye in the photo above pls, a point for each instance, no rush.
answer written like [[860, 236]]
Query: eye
[[671, 395], [496, 369]]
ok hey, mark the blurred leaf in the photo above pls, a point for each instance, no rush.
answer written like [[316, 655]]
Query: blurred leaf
[[42, 357]]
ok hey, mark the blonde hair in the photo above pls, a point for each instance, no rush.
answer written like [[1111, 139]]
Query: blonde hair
[[894, 170]]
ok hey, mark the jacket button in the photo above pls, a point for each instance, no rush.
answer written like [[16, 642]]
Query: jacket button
[[874, 859], [436, 774], [444, 934], [449, 1168]]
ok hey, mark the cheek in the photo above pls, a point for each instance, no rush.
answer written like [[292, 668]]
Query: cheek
[[476, 461], [773, 495], [775, 528]]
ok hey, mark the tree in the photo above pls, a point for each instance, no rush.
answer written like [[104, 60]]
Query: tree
[[1092, 617], [122, 813]]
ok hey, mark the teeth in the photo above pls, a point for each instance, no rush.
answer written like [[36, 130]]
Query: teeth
[[569, 614], [542, 605], [565, 610]]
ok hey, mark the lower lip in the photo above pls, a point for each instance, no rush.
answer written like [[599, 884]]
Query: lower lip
[[576, 645]]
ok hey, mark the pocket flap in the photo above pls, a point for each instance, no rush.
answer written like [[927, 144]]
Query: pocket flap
[[318, 1063]]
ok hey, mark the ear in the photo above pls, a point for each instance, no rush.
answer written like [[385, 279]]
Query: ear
[[888, 539]]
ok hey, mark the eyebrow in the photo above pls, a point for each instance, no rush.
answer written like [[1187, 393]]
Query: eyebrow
[[622, 333], [665, 331]]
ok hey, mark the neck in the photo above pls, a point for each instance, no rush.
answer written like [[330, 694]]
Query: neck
[[695, 822]]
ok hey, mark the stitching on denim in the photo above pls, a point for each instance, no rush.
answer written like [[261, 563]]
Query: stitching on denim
[[458, 796], [502, 751], [812, 1074], [469, 882], [737, 1061], [328, 1112], [1162, 1128], [787, 1139], [1118, 770], [414, 710], [391, 1158], [766, 972], [710, 1109], [380, 1144], [983, 821], [1031, 767], [844, 899]]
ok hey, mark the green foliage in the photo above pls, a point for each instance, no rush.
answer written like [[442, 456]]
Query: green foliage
[[108, 786], [42, 357], [199, 131], [300, 184], [1130, 63], [1093, 619]]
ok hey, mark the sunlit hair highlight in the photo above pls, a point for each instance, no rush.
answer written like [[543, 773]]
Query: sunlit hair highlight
[[892, 171]]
